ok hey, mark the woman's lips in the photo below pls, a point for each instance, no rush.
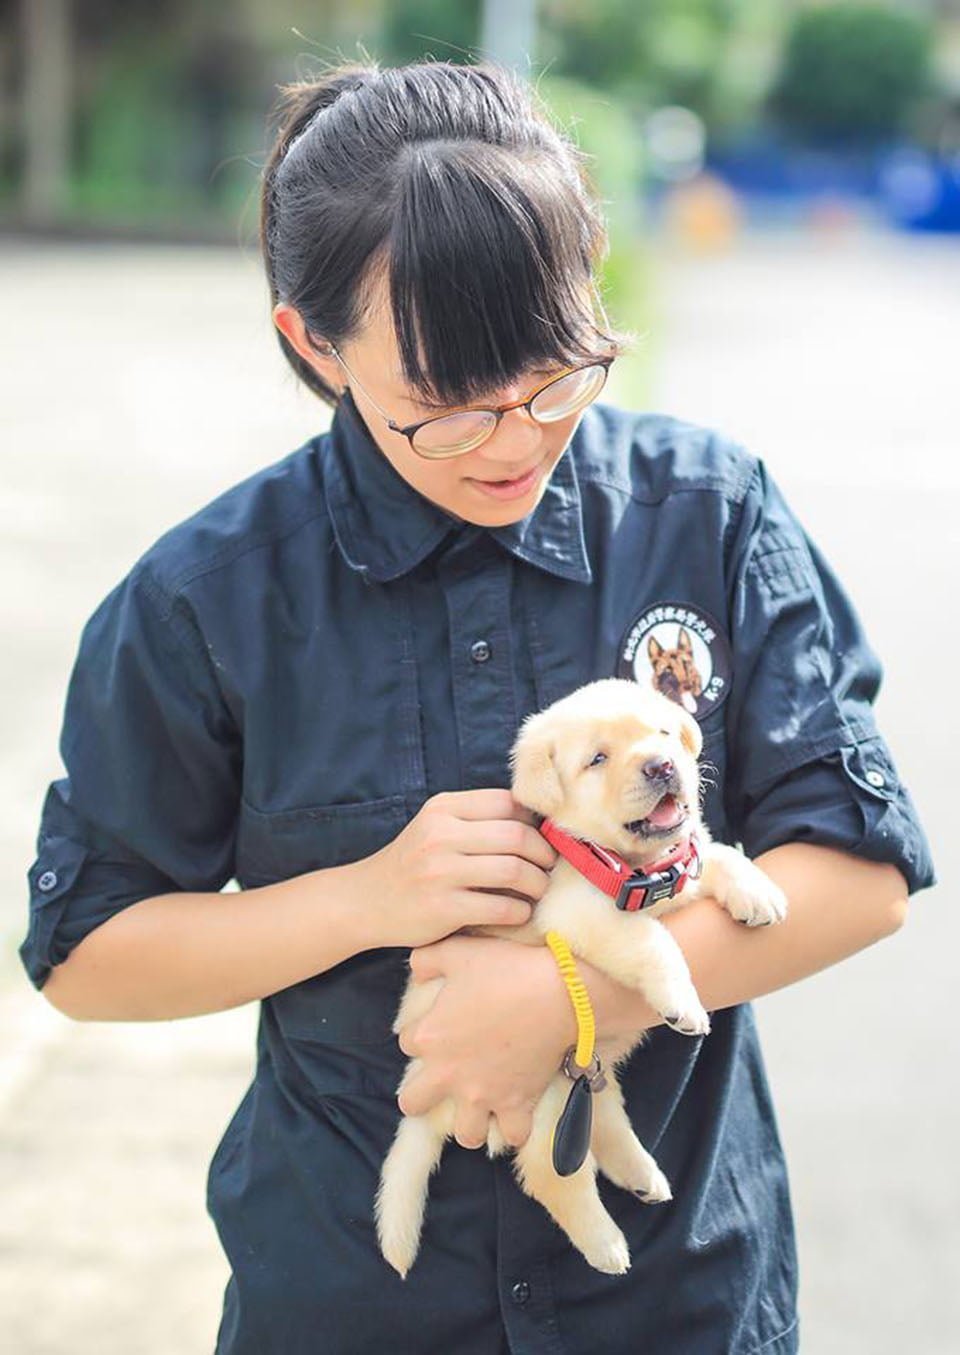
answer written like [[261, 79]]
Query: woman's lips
[[509, 489]]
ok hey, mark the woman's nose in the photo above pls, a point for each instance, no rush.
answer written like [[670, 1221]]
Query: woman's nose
[[516, 439]]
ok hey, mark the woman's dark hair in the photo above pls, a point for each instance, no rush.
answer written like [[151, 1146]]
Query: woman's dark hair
[[452, 182]]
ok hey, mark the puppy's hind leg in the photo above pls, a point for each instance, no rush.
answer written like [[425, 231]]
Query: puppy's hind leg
[[619, 1153], [572, 1201], [404, 1180]]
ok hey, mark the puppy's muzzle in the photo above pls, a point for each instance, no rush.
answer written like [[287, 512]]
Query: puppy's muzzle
[[661, 799], [661, 770]]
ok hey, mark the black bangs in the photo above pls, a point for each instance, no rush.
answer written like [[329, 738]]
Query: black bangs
[[444, 193], [490, 258]]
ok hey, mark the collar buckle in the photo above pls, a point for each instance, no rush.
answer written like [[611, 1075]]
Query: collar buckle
[[643, 891]]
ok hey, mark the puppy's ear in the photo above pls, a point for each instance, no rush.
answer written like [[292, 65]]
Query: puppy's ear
[[536, 781], [654, 649], [690, 733]]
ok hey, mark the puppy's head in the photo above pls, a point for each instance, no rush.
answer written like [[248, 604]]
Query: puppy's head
[[615, 762]]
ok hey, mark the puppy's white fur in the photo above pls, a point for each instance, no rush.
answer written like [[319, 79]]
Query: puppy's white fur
[[581, 761]]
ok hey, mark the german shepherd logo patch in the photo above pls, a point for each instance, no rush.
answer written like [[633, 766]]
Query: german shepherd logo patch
[[682, 652]]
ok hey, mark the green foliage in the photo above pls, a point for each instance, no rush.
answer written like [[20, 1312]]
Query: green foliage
[[142, 152], [650, 53], [851, 72], [605, 130], [413, 28]]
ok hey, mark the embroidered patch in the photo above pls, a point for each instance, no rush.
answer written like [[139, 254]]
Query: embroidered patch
[[681, 651]]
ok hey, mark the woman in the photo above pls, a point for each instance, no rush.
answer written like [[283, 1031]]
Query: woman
[[312, 686]]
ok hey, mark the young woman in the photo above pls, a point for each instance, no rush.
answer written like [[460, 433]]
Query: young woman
[[312, 686]]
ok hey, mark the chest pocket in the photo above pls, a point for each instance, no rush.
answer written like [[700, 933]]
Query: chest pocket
[[354, 1002]]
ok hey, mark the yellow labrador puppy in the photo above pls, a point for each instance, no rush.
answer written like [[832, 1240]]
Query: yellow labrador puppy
[[612, 768]]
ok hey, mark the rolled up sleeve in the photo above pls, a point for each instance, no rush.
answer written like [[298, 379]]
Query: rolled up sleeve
[[152, 758], [807, 760]]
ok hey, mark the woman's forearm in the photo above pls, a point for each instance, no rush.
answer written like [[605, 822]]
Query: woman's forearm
[[186, 954], [837, 904]]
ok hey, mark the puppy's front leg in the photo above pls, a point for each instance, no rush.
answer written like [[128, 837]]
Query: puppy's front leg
[[741, 887], [638, 952]]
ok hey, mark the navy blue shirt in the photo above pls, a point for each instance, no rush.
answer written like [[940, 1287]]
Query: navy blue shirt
[[280, 683]]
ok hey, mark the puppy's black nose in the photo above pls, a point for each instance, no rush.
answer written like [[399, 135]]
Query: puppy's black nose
[[658, 769]]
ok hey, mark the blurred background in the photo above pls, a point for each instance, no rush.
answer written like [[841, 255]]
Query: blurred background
[[782, 188]]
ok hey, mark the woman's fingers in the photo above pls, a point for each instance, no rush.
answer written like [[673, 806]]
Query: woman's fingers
[[507, 838], [470, 1125], [515, 1125], [421, 1093], [484, 802], [471, 1122]]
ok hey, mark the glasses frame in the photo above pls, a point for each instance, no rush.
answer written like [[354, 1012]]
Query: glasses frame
[[410, 430]]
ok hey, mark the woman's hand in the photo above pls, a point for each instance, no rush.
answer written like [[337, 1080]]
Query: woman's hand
[[467, 858], [493, 1038]]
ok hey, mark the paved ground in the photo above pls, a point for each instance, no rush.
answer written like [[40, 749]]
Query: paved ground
[[143, 381]]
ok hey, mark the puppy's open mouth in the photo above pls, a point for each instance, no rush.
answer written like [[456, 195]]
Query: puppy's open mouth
[[666, 817]]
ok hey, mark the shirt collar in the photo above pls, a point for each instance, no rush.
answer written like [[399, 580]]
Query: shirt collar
[[384, 527]]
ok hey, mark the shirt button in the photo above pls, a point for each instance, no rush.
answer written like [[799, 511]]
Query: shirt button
[[520, 1292], [876, 778], [479, 651], [47, 880]]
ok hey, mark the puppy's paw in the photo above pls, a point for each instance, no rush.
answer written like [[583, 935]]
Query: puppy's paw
[[754, 899], [657, 1190], [689, 1020], [609, 1254]]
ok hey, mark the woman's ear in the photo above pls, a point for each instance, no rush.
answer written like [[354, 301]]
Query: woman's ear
[[536, 781], [313, 350], [691, 735]]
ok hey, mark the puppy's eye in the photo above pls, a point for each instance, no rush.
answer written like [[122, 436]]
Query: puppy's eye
[[665, 731], [597, 759]]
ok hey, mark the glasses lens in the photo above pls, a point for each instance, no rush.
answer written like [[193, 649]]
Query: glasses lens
[[567, 394], [455, 433]]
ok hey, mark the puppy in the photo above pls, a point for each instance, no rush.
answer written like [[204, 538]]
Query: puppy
[[674, 671], [613, 764]]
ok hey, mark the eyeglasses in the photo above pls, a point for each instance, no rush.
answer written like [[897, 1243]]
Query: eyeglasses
[[453, 434]]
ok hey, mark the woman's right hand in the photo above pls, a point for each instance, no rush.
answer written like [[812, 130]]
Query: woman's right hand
[[460, 861]]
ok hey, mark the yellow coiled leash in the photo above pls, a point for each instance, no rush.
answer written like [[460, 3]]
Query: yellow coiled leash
[[570, 1140]]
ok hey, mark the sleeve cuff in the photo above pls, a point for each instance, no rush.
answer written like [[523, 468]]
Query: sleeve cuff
[[851, 799]]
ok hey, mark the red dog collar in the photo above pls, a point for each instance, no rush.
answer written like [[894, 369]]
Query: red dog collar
[[607, 869]]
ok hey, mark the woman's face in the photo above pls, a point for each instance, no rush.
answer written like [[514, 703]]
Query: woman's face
[[518, 445]]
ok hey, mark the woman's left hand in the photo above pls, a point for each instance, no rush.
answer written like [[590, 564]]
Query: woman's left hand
[[494, 1037]]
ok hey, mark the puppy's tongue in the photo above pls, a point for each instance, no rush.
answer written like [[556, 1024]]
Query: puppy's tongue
[[667, 813]]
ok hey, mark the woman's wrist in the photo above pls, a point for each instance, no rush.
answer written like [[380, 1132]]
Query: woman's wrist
[[557, 1000]]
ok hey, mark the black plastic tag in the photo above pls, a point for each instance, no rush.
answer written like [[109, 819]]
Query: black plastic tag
[[571, 1137]]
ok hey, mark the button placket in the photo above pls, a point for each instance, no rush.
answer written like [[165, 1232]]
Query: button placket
[[526, 1235], [478, 605]]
